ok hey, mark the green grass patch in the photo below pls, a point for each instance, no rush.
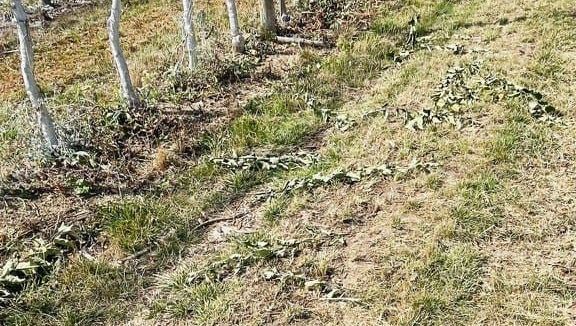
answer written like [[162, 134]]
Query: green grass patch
[[519, 138], [390, 27], [250, 131], [83, 293], [136, 224], [447, 283], [548, 63], [205, 303], [505, 145], [527, 298], [479, 208], [359, 60], [275, 210]]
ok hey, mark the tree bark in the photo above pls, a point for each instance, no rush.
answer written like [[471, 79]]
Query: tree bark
[[237, 38], [283, 12], [189, 34], [114, 37], [27, 66], [268, 16]]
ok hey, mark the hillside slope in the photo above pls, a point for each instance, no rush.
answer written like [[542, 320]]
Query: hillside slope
[[370, 183]]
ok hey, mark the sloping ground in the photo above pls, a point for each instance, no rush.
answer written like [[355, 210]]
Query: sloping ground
[[115, 151], [437, 188]]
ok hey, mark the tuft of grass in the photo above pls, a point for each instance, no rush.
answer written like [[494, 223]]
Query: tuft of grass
[[136, 224], [479, 190], [241, 181], [8, 135], [318, 267], [250, 131], [528, 298], [548, 62], [275, 210], [390, 26], [277, 104], [205, 303], [504, 147], [479, 209], [447, 282], [434, 182], [472, 223], [518, 137], [360, 60]]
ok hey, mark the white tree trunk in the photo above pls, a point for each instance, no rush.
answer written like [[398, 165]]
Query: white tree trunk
[[189, 34], [283, 11], [268, 16], [114, 37], [237, 38], [27, 66]]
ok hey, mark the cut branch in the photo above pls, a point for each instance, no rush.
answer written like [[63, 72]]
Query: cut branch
[[343, 299], [218, 220], [136, 255], [301, 41], [8, 52]]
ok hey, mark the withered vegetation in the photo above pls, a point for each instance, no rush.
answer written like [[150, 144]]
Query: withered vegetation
[[372, 181]]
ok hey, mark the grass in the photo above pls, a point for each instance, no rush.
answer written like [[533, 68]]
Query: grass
[[85, 293], [250, 131], [207, 303], [484, 237], [135, 225], [275, 210], [518, 137], [448, 281]]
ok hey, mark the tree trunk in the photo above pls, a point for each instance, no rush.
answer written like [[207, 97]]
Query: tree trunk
[[237, 38], [268, 16], [283, 11], [27, 66], [114, 37], [189, 34]]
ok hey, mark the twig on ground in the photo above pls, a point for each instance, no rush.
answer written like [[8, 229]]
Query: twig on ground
[[137, 254], [148, 249], [564, 267], [343, 299], [7, 52], [218, 220]]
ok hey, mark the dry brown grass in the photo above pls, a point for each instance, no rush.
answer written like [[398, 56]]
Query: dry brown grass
[[485, 238]]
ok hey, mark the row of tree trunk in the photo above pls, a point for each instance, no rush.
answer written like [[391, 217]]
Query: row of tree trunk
[[44, 120]]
